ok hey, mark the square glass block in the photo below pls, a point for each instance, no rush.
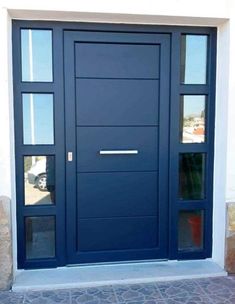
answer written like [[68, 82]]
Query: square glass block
[[36, 55], [40, 237], [190, 230], [39, 180], [38, 119], [192, 176], [193, 117], [193, 59]]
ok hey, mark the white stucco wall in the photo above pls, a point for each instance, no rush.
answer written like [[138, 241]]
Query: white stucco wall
[[220, 13], [230, 185], [199, 8]]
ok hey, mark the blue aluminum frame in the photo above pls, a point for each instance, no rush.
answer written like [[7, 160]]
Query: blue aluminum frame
[[57, 88]]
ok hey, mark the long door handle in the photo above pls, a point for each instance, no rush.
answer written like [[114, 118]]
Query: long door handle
[[118, 152]]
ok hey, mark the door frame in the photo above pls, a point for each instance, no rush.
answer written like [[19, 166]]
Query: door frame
[[57, 88]]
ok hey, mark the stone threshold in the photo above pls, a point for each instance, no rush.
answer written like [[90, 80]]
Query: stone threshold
[[112, 274]]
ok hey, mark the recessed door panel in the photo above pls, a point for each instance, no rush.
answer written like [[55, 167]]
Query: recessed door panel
[[116, 60], [117, 233], [117, 102], [140, 142], [120, 194]]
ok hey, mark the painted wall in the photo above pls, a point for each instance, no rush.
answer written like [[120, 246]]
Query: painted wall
[[220, 13], [230, 185], [199, 8]]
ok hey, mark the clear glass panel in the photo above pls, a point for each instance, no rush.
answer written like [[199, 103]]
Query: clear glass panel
[[193, 59], [36, 55], [193, 118], [38, 119], [191, 176], [39, 180], [40, 237], [190, 230]]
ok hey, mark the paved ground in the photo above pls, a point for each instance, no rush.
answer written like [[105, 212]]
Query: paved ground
[[213, 290]]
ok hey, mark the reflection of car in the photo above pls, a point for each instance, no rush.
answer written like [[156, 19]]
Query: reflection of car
[[37, 175]]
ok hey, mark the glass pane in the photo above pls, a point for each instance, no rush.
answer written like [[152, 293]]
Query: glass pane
[[193, 59], [40, 237], [191, 176], [36, 55], [38, 119], [39, 180], [193, 118], [190, 230]]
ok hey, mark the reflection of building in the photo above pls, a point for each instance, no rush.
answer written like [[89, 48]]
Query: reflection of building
[[193, 129], [199, 126]]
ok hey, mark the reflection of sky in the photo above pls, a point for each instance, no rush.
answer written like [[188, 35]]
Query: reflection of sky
[[194, 105], [43, 119], [41, 55], [196, 53]]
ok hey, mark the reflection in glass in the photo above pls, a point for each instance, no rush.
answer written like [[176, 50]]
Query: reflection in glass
[[40, 237], [38, 119], [191, 176], [36, 55], [39, 182], [193, 59], [193, 118], [190, 230]]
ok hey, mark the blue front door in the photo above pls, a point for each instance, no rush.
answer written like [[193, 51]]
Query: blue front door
[[117, 108], [114, 139]]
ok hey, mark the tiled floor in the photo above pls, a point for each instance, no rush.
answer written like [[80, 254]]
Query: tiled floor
[[220, 290]]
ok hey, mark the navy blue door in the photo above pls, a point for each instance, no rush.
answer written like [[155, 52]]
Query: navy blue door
[[117, 108]]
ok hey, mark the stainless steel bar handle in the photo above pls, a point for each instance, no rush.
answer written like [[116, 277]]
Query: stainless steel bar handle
[[118, 152]]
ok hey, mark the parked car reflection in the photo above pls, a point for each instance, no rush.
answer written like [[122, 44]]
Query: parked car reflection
[[39, 180]]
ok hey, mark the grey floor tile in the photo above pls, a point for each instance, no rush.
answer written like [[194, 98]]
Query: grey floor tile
[[200, 291], [8, 297], [138, 293], [47, 297], [99, 295], [182, 289], [189, 300], [217, 286], [221, 299], [225, 281], [144, 302]]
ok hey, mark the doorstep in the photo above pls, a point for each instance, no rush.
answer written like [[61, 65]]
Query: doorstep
[[110, 274]]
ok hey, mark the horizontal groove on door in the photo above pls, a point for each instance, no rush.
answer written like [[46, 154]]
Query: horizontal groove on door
[[117, 78], [123, 171], [115, 217], [113, 126]]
